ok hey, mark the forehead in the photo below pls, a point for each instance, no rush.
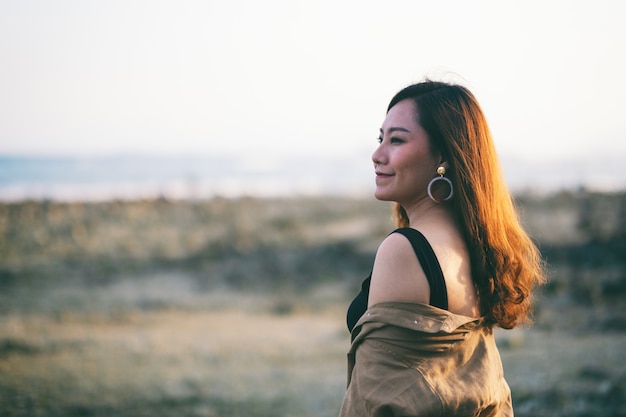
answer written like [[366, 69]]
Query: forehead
[[403, 114]]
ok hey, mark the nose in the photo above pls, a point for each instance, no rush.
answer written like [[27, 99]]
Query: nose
[[378, 156]]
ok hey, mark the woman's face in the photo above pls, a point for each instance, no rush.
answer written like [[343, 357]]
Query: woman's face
[[403, 161]]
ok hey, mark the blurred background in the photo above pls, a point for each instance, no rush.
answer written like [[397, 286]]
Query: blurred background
[[185, 195]]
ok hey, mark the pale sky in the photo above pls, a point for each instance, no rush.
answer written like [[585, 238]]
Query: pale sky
[[285, 77]]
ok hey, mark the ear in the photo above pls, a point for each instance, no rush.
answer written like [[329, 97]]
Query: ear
[[443, 160]]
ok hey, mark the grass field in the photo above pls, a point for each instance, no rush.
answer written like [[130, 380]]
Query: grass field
[[237, 307], [193, 363]]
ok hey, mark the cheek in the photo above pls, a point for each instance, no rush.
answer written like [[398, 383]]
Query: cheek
[[416, 162]]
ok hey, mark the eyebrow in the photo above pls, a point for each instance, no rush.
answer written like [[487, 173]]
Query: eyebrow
[[395, 129]]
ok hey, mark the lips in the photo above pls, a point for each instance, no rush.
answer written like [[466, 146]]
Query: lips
[[382, 177]]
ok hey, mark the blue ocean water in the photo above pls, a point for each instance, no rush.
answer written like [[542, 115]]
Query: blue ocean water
[[140, 176], [185, 176]]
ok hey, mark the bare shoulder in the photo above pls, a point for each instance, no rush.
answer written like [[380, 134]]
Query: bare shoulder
[[397, 274]]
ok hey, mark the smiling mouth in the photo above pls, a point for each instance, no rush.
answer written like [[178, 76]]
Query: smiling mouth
[[382, 177]]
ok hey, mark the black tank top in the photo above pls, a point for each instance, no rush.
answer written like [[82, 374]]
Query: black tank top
[[432, 269]]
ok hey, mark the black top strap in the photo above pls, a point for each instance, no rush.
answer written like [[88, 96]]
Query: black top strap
[[432, 269], [430, 264]]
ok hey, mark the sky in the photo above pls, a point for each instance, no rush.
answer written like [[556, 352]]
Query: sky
[[282, 78]]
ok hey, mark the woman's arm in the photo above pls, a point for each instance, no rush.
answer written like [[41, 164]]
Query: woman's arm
[[397, 274]]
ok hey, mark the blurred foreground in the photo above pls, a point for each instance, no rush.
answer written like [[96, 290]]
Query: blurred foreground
[[235, 307]]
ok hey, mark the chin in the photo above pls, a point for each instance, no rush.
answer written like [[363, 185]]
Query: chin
[[382, 196]]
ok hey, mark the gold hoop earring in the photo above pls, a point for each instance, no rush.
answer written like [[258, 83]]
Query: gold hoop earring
[[441, 170]]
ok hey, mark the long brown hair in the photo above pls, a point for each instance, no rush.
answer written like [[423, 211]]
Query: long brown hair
[[506, 264]]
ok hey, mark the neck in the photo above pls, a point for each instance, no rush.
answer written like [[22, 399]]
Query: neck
[[427, 212]]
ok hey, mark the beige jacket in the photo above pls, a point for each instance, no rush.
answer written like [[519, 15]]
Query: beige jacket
[[418, 360]]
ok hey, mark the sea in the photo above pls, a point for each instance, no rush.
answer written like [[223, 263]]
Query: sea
[[135, 176]]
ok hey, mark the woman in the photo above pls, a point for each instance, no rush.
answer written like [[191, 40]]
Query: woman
[[458, 265]]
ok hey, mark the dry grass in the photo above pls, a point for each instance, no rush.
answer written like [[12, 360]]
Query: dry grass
[[206, 363], [236, 307], [251, 360]]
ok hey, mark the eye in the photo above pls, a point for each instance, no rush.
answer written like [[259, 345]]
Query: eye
[[396, 140], [380, 139]]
